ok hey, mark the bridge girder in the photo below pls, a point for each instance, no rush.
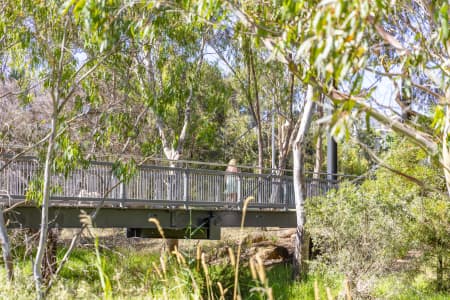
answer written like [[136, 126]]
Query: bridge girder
[[173, 221]]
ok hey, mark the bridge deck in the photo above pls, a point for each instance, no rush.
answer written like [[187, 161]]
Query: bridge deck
[[177, 195]]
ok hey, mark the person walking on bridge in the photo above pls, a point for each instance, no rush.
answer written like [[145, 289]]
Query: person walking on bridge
[[231, 181]]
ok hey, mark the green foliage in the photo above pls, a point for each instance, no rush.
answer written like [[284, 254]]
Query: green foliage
[[34, 191], [363, 229], [407, 287], [100, 31], [104, 279], [438, 119], [145, 55], [124, 171], [134, 274], [70, 155], [357, 233], [352, 159], [240, 141]]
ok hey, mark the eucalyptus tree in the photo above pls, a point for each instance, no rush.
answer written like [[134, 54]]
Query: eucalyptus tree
[[211, 111], [243, 62], [5, 42], [330, 44], [175, 86], [327, 45], [182, 94], [56, 52], [288, 100], [251, 89], [170, 75]]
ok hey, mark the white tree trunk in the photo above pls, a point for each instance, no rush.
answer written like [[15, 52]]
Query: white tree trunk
[[319, 153], [37, 266], [445, 150], [6, 248], [299, 183], [172, 244]]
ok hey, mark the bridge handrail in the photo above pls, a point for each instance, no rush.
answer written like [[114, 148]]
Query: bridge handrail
[[154, 184], [269, 171]]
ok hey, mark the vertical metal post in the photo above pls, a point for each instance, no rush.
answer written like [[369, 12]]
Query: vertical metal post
[[283, 193], [273, 134], [239, 191], [185, 187], [332, 159]]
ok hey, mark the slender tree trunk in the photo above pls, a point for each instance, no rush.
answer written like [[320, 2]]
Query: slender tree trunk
[[446, 163], [253, 99], [445, 150], [285, 129], [319, 143], [260, 150], [6, 248], [318, 156], [49, 259], [37, 267], [315, 183], [440, 272], [172, 243], [169, 151], [258, 118], [300, 247]]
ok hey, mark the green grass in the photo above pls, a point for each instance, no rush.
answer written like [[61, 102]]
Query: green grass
[[284, 288], [133, 276], [404, 286], [138, 274]]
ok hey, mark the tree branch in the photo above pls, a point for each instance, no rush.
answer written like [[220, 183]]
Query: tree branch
[[27, 149], [84, 76], [423, 140], [187, 112], [381, 163]]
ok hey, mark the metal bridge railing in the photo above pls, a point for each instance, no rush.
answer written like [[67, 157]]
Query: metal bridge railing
[[161, 185]]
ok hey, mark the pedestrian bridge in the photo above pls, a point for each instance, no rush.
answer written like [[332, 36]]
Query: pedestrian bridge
[[187, 197]]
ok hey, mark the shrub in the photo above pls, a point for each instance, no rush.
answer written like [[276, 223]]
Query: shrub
[[363, 229]]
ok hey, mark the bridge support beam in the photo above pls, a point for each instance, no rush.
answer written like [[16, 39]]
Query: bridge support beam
[[176, 221]]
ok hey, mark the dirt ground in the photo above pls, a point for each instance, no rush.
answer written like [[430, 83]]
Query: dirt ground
[[273, 244]]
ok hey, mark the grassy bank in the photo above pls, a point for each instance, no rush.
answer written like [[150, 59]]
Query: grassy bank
[[144, 274]]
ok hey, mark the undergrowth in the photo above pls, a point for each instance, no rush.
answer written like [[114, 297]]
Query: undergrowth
[[148, 275], [144, 274], [125, 273]]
